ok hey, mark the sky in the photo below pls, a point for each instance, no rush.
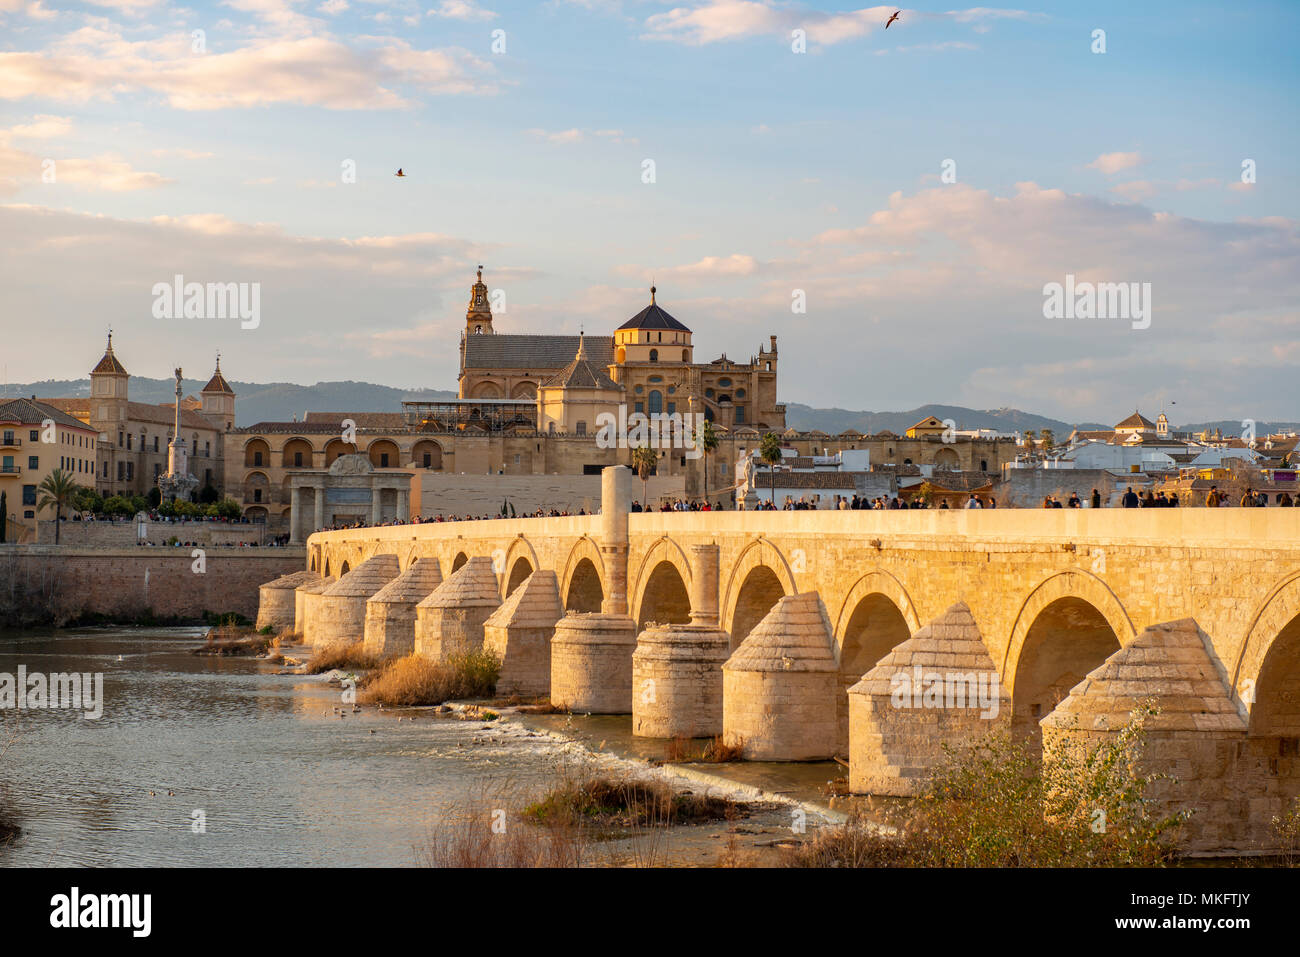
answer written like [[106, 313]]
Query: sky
[[890, 203]]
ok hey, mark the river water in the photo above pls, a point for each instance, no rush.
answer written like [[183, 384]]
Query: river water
[[279, 778]]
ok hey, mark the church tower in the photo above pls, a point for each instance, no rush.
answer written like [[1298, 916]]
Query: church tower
[[219, 400], [108, 398], [478, 318]]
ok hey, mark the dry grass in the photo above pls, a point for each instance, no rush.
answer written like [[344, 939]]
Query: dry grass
[[632, 802], [584, 820], [287, 636], [1287, 831], [682, 750], [9, 829], [415, 680], [494, 838], [228, 640], [349, 657]]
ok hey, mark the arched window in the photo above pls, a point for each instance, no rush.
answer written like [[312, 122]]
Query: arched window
[[654, 355], [656, 401], [740, 393], [686, 356]]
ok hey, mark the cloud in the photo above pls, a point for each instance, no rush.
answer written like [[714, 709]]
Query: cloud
[[1112, 163], [716, 21], [575, 135], [20, 168], [183, 153], [322, 298], [42, 127], [331, 7], [94, 63], [1136, 190], [461, 10], [710, 267]]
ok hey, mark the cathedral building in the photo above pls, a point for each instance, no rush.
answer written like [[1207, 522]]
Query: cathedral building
[[650, 357]]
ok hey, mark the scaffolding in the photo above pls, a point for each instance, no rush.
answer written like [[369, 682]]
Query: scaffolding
[[458, 415]]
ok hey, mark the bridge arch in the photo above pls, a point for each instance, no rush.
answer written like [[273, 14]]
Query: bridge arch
[[1070, 623], [1267, 670], [759, 577], [860, 616], [583, 584], [876, 616], [460, 559], [664, 576]]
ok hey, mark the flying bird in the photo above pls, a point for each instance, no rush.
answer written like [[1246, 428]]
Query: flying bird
[[399, 169], [892, 19]]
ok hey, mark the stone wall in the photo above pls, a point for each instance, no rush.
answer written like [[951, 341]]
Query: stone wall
[[449, 494], [123, 534], [67, 582]]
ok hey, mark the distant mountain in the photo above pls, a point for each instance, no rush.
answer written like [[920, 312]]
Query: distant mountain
[[1234, 427], [285, 401], [256, 402], [834, 421]]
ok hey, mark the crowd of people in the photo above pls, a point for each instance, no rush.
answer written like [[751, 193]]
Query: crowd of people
[[1130, 499]]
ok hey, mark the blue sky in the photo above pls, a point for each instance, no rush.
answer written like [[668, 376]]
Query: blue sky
[[774, 171]]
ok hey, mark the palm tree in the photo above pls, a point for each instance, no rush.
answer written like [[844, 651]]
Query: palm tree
[[1047, 439], [708, 441], [769, 451], [57, 492], [644, 461], [1029, 441]]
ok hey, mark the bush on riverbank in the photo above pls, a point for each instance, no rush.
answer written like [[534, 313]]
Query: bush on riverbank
[[681, 750], [631, 802], [996, 804], [415, 680], [352, 657]]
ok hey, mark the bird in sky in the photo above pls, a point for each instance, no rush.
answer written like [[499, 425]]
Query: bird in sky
[[892, 19], [399, 172]]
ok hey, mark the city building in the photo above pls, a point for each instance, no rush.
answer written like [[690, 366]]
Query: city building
[[36, 438]]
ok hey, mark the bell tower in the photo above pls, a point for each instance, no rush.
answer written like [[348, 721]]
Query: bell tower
[[478, 318]]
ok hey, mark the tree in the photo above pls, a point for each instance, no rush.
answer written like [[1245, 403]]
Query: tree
[[1029, 441], [644, 462], [57, 492], [207, 495], [707, 439], [87, 500], [769, 451], [1047, 440]]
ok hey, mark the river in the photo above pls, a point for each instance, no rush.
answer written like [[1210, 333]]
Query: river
[[278, 778]]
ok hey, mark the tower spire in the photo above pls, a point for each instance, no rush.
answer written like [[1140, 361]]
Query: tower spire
[[478, 317]]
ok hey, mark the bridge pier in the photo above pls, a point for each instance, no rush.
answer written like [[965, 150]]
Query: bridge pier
[[390, 612], [591, 654], [276, 600], [450, 621], [341, 608], [939, 687], [304, 607], [779, 686], [677, 668], [519, 634]]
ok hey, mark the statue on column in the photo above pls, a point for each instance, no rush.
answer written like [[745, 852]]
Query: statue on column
[[178, 483]]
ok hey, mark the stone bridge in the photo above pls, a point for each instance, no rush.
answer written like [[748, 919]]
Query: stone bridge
[[1053, 594]]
